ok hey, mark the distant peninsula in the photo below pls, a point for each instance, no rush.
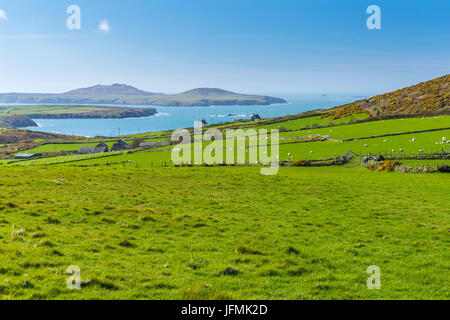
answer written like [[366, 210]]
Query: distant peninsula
[[120, 94], [21, 116]]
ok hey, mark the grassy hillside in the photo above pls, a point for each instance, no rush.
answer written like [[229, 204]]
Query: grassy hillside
[[278, 237], [10, 135], [426, 98]]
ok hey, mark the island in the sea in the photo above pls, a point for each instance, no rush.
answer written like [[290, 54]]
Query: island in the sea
[[120, 94]]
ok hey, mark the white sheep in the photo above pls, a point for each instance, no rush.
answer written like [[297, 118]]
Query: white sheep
[[421, 151], [444, 139], [311, 151], [413, 140], [401, 150]]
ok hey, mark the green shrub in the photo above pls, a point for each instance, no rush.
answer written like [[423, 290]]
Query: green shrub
[[444, 168]]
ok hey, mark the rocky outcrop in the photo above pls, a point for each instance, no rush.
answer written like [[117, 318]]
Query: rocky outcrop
[[17, 122]]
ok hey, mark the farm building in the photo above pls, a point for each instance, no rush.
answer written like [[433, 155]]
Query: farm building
[[120, 145], [100, 148], [91, 150], [102, 145]]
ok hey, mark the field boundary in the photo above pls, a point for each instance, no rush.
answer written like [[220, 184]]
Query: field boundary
[[394, 134]]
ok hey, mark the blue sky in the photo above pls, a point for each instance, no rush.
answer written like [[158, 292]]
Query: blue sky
[[246, 46]]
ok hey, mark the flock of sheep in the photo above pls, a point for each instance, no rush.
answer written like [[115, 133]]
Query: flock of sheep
[[444, 140]]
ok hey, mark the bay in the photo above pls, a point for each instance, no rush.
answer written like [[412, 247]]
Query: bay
[[182, 117]]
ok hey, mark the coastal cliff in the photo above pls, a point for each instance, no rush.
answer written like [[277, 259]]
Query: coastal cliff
[[17, 122]]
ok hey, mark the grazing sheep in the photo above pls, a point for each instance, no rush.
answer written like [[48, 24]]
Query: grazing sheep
[[289, 154], [311, 151], [421, 150], [384, 140], [401, 150], [393, 150], [366, 145], [413, 140], [444, 139]]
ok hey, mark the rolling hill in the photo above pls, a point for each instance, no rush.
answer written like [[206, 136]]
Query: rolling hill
[[115, 89], [120, 94], [426, 98]]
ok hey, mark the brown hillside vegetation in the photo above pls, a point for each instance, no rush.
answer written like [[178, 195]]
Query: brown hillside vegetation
[[426, 98], [9, 135]]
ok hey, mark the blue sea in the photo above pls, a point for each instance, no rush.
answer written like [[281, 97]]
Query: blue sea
[[182, 117]]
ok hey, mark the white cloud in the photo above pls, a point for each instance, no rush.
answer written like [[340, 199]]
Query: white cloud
[[103, 26], [3, 15]]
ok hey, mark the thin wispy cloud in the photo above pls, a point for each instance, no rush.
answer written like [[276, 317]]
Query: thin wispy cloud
[[3, 15], [32, 36], [103, 26]]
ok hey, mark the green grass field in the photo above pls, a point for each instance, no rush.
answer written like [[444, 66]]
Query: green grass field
[[309, 150], [375, 128], [160, 234], [138, 230], [309, 122]]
